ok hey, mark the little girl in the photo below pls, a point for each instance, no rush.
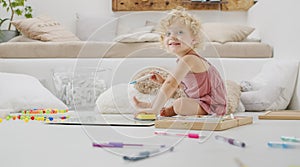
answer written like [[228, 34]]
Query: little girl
[[202, 83]]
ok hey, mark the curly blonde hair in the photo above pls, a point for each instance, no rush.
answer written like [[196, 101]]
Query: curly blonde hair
[[181, 15]]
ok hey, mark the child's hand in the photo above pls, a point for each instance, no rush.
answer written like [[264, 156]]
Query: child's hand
[[157, 77], [141, 104]]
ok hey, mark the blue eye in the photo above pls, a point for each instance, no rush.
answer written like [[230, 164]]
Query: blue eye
[[168, 34], [180, 32]]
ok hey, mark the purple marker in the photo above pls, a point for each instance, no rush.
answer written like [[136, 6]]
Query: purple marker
[[230, 141], [121, 145]]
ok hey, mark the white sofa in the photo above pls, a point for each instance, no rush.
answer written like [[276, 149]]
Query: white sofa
[[118, 37], [121, 70]]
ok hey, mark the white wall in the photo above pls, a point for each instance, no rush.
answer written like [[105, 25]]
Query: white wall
[[278, 24], [65, 11]]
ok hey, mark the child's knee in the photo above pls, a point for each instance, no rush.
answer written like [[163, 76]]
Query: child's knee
[[178, 106]]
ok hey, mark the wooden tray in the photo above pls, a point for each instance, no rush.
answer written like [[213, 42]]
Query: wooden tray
[[281, 115], [202, 124]]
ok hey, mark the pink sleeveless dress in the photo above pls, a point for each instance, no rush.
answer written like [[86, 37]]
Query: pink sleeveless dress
[[207, 88]]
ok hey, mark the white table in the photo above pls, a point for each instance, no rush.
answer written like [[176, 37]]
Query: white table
[[36, 144]]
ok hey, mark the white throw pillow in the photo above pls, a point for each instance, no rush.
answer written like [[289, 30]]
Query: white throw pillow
[[254, 36], [262, 99], [44, 29], [22, 92], [273, 87], [138, 37], [128, 22], [224, 32], [139, 34], [118, 100], [241, 107], [94, 27]]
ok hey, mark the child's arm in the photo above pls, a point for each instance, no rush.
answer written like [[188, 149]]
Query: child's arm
[[171, 83]]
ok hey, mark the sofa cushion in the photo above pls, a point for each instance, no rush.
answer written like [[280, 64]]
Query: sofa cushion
[[24, 92], [222, 32], [118, 99], [100, 28], [44, 29], [138, 37], [273, 87]]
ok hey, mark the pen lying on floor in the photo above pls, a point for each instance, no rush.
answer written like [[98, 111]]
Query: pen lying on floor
[[290, 139], [121, 145], [230, 141], [284, 145], [189, 135], [145, 154]]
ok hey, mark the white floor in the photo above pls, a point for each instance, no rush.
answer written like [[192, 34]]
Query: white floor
[[36, 144]]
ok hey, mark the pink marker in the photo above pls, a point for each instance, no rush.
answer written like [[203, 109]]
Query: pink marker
[[189, 135]]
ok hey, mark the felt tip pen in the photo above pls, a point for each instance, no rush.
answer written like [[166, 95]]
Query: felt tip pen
[[283, 145], [189, 135], [121, 145], [230, 141], [290, 139], [141, 78], [144, 154]]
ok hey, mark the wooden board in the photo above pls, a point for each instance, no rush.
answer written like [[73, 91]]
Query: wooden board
[[237, 5], [158, 5], [281, 115], [202, 124]]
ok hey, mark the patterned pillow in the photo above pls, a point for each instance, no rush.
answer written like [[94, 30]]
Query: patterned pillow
[[233, 96], [147, 86], [44, 29]]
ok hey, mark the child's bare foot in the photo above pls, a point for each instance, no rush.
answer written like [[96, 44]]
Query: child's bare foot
[[141, 104], [168, 112]]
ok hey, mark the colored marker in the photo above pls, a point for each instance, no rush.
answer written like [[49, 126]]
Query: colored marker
[[145, 154], [141, 78], [290, 139], [189, 135], [230, 141], [121, 145], [283, 145]]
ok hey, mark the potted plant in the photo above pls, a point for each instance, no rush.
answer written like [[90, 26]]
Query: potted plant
[[13, 7]]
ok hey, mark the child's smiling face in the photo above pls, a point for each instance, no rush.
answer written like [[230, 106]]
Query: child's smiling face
[[178, 39]]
